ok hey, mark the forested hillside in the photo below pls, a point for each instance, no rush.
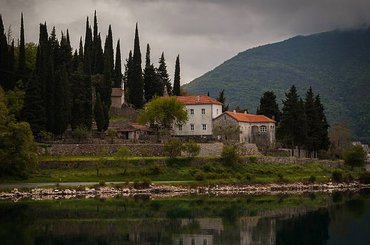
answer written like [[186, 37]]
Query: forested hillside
[[336, 64]]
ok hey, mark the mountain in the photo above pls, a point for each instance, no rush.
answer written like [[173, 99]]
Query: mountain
[[336, 64]]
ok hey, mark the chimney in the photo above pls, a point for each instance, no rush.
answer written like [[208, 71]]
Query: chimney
[[234, 111], [245, 112], [273, 117], [198, 98]]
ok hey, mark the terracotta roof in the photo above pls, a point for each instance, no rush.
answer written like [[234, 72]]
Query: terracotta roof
[[117, 92], [251, 118], [197, 100]]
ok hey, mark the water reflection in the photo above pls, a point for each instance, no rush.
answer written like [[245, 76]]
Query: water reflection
[[305, 219]]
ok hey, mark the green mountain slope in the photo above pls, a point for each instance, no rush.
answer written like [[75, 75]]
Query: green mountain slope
[[336, 64]]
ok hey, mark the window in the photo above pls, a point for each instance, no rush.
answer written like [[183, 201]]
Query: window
[[203, 111], [263, 129], [204, 126], [216, 111], [191, 111], [205, 242], [192, 127], [192, 241], [180, 127]]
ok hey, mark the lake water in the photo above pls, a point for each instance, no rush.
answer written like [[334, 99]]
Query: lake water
[[339, 218]]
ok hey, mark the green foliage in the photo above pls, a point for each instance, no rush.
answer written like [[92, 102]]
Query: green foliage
[[230, 155], [176, 81], [164, 112], [191, 148], [172, 148], [17, 147], [81, 133], [199, 176], [304, 61], [123, 153], [365, 178], [312, 179], [229, 134], [268, 106], [153, 85], [112, 133], [99, 113], [337, 175], [355, 156], [163, 75], [142, 184]]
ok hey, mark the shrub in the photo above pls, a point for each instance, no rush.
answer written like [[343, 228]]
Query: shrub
[[155, 169], [355, 156], [191, 148], [365, 178], [280, 178], [143, 184], [312, 179], [252, 159], [230, 155], [172, 148], [199, 175], [337, 175], [81, 133], [45, 135], [123, 152], [111, 133]]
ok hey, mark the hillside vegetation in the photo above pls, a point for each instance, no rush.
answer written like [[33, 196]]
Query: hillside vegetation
[[336, 64]]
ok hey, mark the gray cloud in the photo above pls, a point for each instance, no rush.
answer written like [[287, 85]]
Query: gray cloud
[[204, 32]]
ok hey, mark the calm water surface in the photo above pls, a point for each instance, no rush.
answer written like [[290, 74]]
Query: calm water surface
[[339, 218]]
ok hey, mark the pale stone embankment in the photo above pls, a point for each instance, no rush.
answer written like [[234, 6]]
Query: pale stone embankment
[[156, 191]]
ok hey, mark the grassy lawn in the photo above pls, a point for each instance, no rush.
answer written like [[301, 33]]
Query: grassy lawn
[[211, 171]]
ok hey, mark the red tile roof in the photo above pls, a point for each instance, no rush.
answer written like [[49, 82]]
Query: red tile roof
[[251, 118], [197, 100]]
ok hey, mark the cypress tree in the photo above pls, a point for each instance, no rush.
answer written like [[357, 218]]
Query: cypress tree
[[22, 54], [221, 98], [62, 103], [99, 114], [137, 85], [34, 108], [88, 49], [12, 78], [163, 75], [117, 78], [3, 58], [268, 106], [176, 80], [151, 81], [324, 142], [127, 78]]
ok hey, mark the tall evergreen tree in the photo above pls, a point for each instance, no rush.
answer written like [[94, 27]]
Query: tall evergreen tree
[[117, 78], [88, 49], [62, 103], [12, 78], [221, 98], [292, 129], [99, 114], [163, 75], [176, 81], [33, 110], [4, 73], [268, 106], [127, 78], [152, 85], [136, 84], [22, 55], [324, 126]]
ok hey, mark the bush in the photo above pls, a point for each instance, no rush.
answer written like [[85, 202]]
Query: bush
[[337, 175], [312, 179], [155, 169], [199, 175], [123, 152], [365, 178], [191, 149], [81, 133], [172, 148], [230, 155], [111, 133], [143, 184], [355, 156]]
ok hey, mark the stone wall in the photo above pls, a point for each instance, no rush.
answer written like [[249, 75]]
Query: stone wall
[[93, 149]]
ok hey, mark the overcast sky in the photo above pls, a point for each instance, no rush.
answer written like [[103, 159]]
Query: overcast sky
[[204, 32]]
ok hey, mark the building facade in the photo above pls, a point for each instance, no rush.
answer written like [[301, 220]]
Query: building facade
[[251, 128], [117, 97], [201, 112]]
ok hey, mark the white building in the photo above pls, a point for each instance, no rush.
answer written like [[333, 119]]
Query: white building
[[117, 97], [201, 112], [252, 128]]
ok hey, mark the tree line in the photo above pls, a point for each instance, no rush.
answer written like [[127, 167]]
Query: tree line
[[66, 87], [300, 123]]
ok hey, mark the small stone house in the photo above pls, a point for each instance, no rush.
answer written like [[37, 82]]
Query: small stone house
[[201, 112], [252, 128], [117, 97]]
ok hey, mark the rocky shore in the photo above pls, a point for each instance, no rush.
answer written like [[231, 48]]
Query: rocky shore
[[157, 191]]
